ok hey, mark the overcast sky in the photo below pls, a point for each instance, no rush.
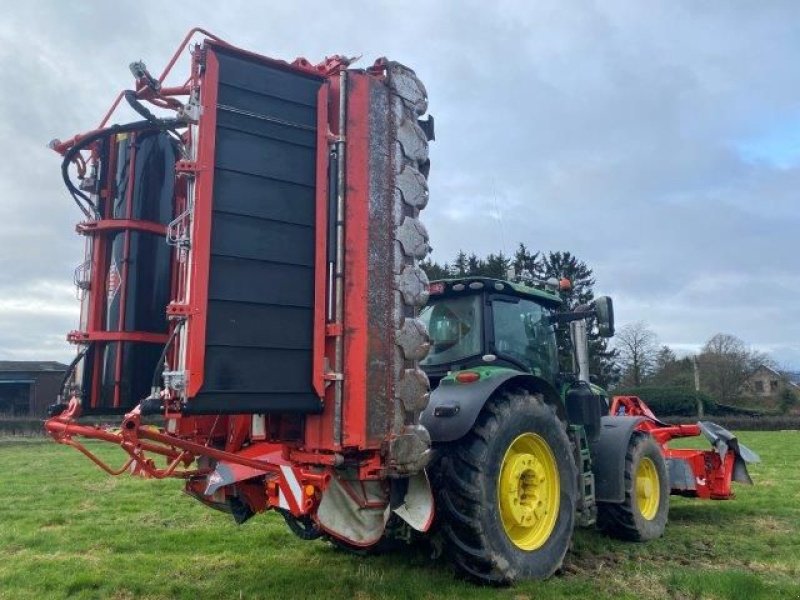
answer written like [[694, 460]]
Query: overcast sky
[[658, 141]]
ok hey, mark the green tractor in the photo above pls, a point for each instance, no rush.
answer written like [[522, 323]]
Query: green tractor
[[522, 450]]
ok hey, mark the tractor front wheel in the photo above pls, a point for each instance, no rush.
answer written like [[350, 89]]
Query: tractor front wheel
[[506, 492], [643, 514]]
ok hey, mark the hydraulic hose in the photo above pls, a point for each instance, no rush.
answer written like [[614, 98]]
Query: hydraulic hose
[[133, 101], [70, 370], [163, 357], [81, 199]]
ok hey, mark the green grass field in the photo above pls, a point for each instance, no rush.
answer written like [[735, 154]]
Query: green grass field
[[67, 530]]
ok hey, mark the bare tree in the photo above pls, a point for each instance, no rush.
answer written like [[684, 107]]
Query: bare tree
[[638, 349], [725, 364]]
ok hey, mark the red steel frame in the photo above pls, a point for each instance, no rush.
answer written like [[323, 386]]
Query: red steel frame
[[712, 474], [357, 216], [307, 460], [304, 463], [100, 230], [319, 428], [201, 227]]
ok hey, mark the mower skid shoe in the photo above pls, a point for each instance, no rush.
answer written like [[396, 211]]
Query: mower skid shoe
[[417, 506], [354, 511], [226, 473], [724, 441]]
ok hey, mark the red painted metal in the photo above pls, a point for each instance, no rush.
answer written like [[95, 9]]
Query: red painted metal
[[238, 430], [318, 432], [712, 474], [184, 43], [165, 92], [135, 439], [295, 450], [126, 261], [97, 291], [82, 337], [114, 225], [197, 299], [356, 261], [321, 240], [100, 231], [203, 170]]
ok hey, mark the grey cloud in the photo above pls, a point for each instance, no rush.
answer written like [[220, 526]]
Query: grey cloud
[[606, 128]]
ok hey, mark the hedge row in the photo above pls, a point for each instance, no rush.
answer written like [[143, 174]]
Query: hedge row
[[31, 426], [744, 423], [21, 427]]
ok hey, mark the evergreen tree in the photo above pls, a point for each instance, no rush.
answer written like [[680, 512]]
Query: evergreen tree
[[565, 264], [602, 360], [525, 262], [787, 400], [475, 266], [496, 266], [434, 270], [670, 371], [665, 357], [459, 265]]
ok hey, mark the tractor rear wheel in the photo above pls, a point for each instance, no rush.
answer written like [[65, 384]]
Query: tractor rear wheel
[[506, 492], [643, 514]]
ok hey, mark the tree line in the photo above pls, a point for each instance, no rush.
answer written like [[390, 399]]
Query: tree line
[[636, 358], [721, 368]]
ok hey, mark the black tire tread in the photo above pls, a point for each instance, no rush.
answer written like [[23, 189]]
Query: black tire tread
[[457, 481], [619, 520]]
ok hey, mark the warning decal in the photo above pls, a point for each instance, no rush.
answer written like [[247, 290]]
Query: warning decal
[[114, 281]]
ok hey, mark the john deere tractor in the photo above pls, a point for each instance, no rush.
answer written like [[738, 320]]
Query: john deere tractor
[[521, 453]]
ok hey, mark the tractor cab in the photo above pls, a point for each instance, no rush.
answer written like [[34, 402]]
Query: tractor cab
[[481, 321], [499, 335]]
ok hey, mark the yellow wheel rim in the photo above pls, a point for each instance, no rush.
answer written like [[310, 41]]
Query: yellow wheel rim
[[528, 491], [648, 490]]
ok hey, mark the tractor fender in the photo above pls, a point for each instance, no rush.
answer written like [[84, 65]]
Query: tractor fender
[[608, 457], [454, 407]]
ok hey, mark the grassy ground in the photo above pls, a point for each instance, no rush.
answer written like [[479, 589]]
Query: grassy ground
[[67, 530]]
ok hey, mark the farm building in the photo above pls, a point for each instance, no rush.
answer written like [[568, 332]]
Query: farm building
[[27, 388], [766, 382]]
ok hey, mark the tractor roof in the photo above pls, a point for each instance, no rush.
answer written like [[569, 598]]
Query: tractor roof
[[447, 287]]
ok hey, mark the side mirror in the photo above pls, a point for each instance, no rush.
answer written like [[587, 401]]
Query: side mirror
[[604, 309]]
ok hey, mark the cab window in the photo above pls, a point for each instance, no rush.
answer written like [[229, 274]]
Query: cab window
[[454, 325], [524, 333]]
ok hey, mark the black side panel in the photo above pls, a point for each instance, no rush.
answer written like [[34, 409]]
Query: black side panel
[[586, 408], [261, 285], [141, 275]]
